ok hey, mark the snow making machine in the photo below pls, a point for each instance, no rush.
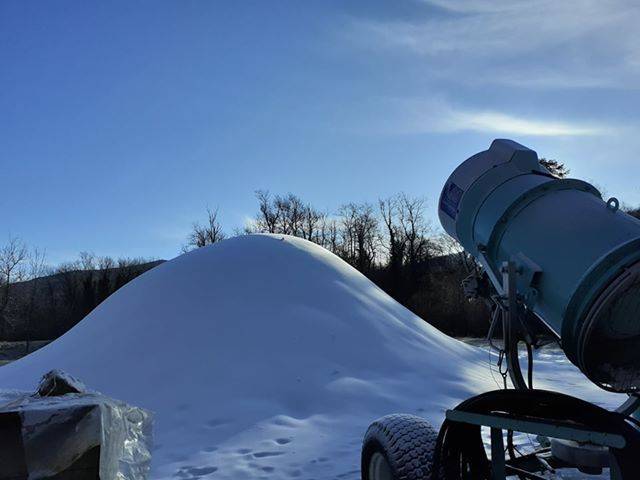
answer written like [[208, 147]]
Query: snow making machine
[[560, 263]]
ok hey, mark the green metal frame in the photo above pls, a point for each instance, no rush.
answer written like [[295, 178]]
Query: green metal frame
[[507, 290], [499, 422]]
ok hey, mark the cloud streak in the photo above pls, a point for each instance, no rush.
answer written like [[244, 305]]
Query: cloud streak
[[536, 43], [438, 116]]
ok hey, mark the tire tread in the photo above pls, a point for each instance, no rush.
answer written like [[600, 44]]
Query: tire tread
[[408, 442]]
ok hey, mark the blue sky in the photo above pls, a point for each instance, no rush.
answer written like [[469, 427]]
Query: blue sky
[[120, 122]]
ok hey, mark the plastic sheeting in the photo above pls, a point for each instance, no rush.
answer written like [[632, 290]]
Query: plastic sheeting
[[65, 427]]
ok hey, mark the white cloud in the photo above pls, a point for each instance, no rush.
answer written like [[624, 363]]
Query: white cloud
[[497, 122], [438, 116], [582, 43]]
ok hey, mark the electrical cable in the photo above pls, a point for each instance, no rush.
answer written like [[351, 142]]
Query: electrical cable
[[529, 366]]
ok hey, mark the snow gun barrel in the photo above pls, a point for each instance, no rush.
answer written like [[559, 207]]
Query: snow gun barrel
[[577, 256]]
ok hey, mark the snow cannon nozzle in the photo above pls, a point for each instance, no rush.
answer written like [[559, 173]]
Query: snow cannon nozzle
[[572, 261]]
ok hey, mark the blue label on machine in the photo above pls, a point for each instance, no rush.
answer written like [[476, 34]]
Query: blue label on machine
[[451, 199]]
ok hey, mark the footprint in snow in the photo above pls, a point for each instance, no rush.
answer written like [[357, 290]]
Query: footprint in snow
[[348, 474], [267, 454], [190, 472], [283, 441]]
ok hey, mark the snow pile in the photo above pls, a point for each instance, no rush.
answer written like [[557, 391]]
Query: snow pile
[[262, 357]]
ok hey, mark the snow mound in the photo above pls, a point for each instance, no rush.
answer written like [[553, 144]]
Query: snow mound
[[261, 357]]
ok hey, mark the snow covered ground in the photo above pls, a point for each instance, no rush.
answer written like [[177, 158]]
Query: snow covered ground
[[266, 357]]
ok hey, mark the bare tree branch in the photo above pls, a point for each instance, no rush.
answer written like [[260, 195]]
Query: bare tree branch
[[203, 235]]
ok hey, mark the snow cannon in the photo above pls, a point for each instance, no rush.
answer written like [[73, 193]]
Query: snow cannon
[[577, 257], [558, 264]]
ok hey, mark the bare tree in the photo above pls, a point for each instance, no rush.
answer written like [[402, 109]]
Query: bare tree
[[12, 261], [105, 263], [395, 240], [311, 224], [67, 274], [87, 261], [359, 235], [104, 281], [12, 269], [460, 259], [328, 233], [287, 215], [37, 269], [37, 263], [556, 168], [291, 212], [127, 269], [202, 235], [415, 228], [267, 219]]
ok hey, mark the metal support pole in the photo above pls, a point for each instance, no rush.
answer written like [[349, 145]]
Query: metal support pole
[[614, 468], [510, 325], [497, 455]]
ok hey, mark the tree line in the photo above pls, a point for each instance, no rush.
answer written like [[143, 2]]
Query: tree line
[[390, 241], [40, 302]]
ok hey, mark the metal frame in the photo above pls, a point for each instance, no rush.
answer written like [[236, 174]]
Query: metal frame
[[498, 423], [508, 311]]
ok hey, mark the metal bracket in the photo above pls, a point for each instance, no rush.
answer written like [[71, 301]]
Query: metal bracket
[[528, 272]]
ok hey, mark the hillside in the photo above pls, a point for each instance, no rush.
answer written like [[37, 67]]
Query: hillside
[[44, 308]]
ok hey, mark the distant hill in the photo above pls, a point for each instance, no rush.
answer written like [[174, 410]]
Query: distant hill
[[46, 307]]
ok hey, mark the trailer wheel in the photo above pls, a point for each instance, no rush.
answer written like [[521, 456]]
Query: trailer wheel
[[399, 447]]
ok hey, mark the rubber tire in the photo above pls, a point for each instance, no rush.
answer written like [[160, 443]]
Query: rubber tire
[[407, 442]]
